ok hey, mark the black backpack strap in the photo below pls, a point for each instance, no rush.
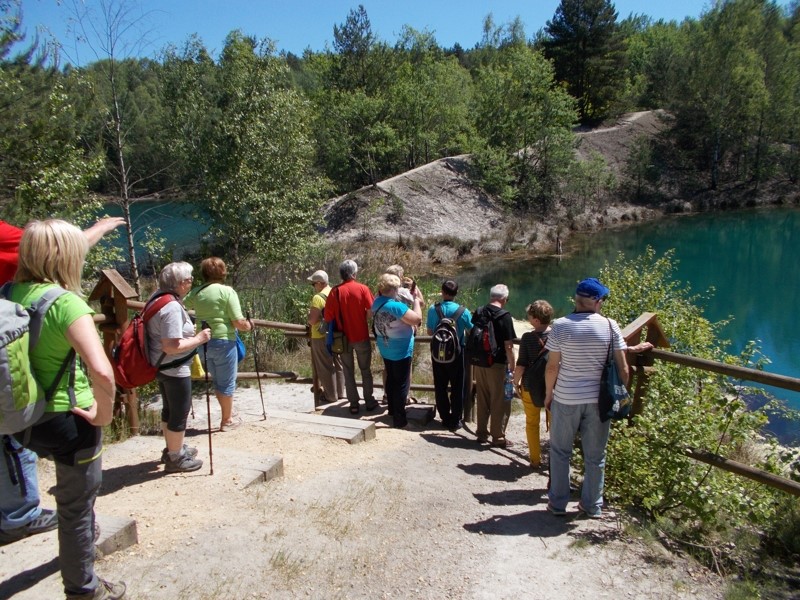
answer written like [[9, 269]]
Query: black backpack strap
[[438, 307], [457, 315], [14, 465]]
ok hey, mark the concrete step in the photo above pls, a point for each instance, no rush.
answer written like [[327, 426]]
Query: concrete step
[[353, 431]]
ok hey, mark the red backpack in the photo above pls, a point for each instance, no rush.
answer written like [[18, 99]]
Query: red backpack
[[129, 358]]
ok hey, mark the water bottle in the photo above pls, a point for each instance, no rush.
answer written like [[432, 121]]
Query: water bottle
[[509, 387]]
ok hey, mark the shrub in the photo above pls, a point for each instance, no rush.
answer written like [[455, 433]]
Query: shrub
[[685, 407]]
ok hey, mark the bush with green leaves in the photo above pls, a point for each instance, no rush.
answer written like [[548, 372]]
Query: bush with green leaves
[[687, 408]]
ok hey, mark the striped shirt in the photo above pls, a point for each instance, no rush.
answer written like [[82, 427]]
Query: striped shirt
[[583, 340]]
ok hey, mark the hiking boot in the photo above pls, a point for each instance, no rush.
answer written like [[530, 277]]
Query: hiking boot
[[46, 521], [183, 464], [105, 590], [187, 450]]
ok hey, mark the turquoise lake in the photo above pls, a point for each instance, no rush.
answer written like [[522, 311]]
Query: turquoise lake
[[749, 257]]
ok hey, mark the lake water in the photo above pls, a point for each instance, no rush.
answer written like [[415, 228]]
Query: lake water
[[181, 224], [748, 256]]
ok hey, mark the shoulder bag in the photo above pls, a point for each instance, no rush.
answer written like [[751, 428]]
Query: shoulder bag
[[614, 401]]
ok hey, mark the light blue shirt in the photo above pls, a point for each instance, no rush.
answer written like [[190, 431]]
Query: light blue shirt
[[449, 308], [393, 337]]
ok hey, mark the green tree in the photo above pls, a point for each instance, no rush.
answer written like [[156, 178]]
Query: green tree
[[44, 172], [583, 42], [263, 195], [113, 31], [654, 57], [522, 112], [723, 90], [362, 61], [429, 101]]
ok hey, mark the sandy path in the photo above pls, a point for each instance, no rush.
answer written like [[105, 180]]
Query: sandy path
[[418, 513]]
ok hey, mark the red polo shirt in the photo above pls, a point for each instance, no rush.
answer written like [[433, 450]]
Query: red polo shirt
[[355, 301]]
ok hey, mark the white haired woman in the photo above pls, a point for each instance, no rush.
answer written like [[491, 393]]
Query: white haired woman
[[172, 343], [51, 256]]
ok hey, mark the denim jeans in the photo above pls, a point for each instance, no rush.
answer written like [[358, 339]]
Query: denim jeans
[[19, 499], [566, 421], [223, 364]]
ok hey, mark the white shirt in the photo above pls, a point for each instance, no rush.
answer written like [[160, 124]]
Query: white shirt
[[583, 340]]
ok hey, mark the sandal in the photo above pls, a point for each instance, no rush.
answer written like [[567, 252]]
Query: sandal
[[230, 424]]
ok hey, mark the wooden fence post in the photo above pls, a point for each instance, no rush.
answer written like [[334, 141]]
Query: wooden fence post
[[113, 294]]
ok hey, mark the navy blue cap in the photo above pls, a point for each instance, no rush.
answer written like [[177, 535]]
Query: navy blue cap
[[592, 288]]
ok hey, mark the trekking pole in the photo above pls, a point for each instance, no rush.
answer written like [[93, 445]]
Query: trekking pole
[[204, 325], [255, 360]]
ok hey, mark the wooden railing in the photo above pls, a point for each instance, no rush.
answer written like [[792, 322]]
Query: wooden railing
[[649, 321], [116, 298]]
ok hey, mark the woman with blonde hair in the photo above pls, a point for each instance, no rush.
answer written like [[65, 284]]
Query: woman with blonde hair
[[218, 305], [51, 257], [394, 325]]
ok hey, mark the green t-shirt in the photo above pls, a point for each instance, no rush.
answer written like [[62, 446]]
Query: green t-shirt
[[218, 305], [53, 347]]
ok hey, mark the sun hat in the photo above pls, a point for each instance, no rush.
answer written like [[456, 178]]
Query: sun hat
[[592, 288]]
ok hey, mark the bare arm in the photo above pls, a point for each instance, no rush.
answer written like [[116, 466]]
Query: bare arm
[[82, 336], [242, 324], [181, 345], [95, 233], [518, 371], [314, 316], [638, 348], [413, 315], [622, 365], [551, 376], [511, 360]]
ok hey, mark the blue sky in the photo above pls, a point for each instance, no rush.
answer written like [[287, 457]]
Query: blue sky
[[298, 24]]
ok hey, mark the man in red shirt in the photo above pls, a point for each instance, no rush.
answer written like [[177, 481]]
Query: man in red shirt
[[20, 513], [349, 304]]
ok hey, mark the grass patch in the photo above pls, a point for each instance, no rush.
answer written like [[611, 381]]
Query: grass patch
[[286, 563]]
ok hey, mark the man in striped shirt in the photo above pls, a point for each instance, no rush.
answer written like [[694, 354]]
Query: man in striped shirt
[[578, 345]]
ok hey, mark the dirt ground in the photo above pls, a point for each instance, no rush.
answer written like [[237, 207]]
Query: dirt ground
[[415, 513]]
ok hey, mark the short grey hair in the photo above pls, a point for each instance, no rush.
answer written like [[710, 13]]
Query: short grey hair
[[498, 292], [348, 269], [173, 275]]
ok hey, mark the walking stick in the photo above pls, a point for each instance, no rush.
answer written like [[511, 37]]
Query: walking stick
[[204, 325], [255, 360]]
